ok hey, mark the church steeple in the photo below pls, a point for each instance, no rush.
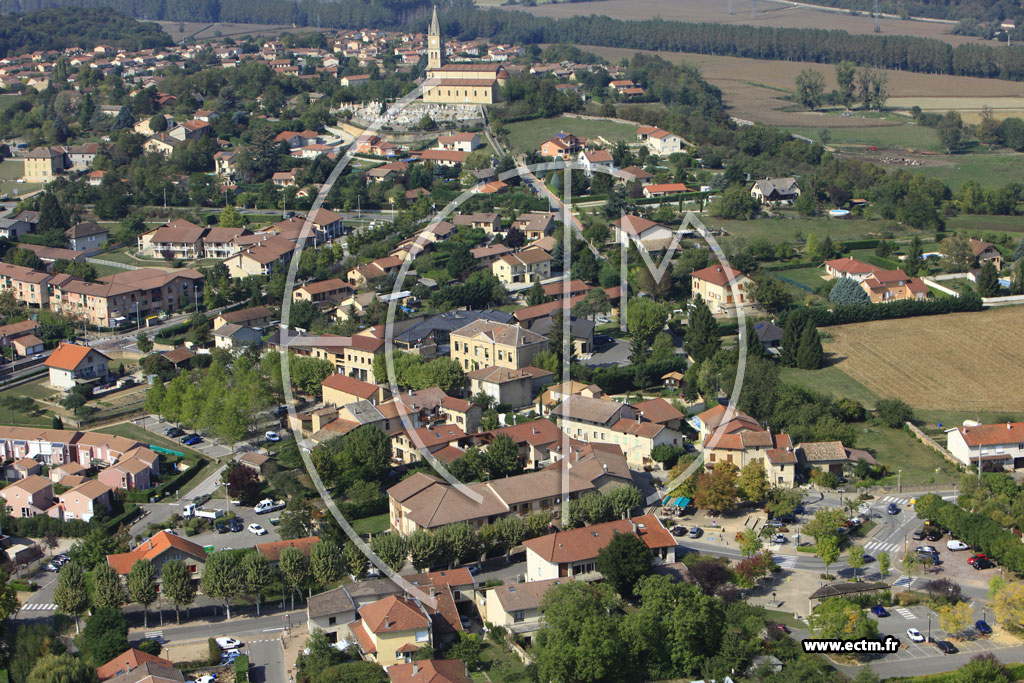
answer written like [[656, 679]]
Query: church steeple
[[435, 46]]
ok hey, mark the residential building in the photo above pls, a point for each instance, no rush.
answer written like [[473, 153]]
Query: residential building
[[573, 553], [323, 292], [849, 267], [179, 239], [1000, 444], [522, 267], [162, 547], [775, 190], [515, 388], [86, 236], [983, 252], [44, 164], [150, 672], [490, 223], [85, 501], [459, 142], [263, 258], [591, 419], [408, 445], [28, 497], [645, 233], [114, 299], [596, 159], [886, 286], [273, 549], [231, 336], [581, 330], [129, 660], [484, 344], [23, 468], [564, 146], [28, 286], [535, 225], [72, 364], [659, 141], [132, 473], [390, 630], [257, 316], [723, 289], [430, 671], [828, 456], [516, 606], [663, 189], [339, 390]]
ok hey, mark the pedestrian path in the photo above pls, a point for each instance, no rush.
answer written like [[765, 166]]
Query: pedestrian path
[[154, 635], [894, 499], [879, 546], [786, 561], [40, 607], [905, 613], [905, 581]]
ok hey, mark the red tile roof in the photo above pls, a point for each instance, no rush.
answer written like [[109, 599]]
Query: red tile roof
[[350, 385], [153, 548], [430, 671], [130, 659], [272, 550], [585, 543], [993, 435], [394, 613], [717, 275], [68, 356]]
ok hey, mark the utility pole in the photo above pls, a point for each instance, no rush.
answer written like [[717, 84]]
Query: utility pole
[[877, 28], [899, 481], [753, 9], [730, 7]]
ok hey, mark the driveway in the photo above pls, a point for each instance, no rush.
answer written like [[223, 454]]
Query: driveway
[[615, 353]]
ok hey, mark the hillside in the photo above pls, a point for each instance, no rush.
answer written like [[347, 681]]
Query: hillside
[[56, 29]]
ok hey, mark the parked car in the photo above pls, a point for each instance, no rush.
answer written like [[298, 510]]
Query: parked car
[[977, 557], [915, 635], [465, 623], [678, 531], [777, 523], [255, 528], [229, 656], [918, 535], [175, 432], [867, 558], [933, 535], [947, 647], [879, 611], [956, 545], [273, 437], [222, 528], [52, 567], [893, 509], [696, 532], [274, 521], [779, 539], [983, 564], [192, 440], [799, 510], [208, 678], [227, 643], [781, 627], [929, 549], [982, 627]]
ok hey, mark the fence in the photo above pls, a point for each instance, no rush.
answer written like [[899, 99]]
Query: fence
[[112, 264], [795, 284], [933, 444], [935, 285]]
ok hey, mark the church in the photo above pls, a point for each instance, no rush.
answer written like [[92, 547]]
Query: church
[[469, 83]]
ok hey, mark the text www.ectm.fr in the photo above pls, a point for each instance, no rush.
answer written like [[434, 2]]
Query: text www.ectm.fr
[[836, 646]]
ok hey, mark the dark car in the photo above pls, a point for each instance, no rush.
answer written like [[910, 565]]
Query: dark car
[[892, 509], [799, 510], [175, 432], [947, 647], [280, 411], [222, 528], [918, 535], [235, 525], [933, 535], [879, 611], [867, 558], [678, 531], [788, 519], [983, 564], [602, 339], [982, 627], [192, 440]]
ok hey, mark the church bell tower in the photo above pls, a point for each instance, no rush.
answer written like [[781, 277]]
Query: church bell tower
[[435, 46]]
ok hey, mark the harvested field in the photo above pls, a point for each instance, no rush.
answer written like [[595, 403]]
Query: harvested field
[[771, 14], [192, 31], [751, 87], [960, 361]]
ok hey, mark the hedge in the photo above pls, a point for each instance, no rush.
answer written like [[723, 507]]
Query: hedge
[[907, 308], [976, 530], [171, 485], [131, 511], [242, 669], [618, 380], [41, 526], [22, 585]]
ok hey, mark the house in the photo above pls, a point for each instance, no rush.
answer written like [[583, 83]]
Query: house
[[44, 164], [179, 239], [591, 419], [332, 611], [323, 292], [515, 388], [85, 501], [231, 336], [983, 252], [643, 232], [775, 191], [443, 157], [378, 268], [522, 267], [162, 143], [722, 288], [150, 672], [769, 334], [596, 159], [573, 553], [581, 331], [180, 357], [430, 671], [254, 461], [266, 257], [1001, 444], [516, 606], [388, 172], [28, 497], [633, 174], [162, 547], [535, 225], [86, 236], [659, 141], [129, 660], [257, 316], [72, 364], [484, 343], [339, 390], [849, 267], [463, 414], [23, 468], [886, 286], [827, 456], [487, 255], [132, 473], [557, 393], [662, 189], [408, 445], [564, 146], [744, 446], [459, 142], [272, 550], [390, 630], [490, 223], [10, 228], [72, 471]]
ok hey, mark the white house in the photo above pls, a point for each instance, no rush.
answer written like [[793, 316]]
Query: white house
[[71, 364], [592, 159], [1002, 444], [642, 231]]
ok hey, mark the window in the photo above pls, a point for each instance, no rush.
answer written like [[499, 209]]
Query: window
[[331, 621], [518, 616], [422, 636]]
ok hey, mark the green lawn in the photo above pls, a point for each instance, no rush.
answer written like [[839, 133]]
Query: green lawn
[[372, 525], [809, 276], [525, 136], [498, 663], [868, 256], [897, 449], [1011, 225], [103, 271], [38, 389], [831, 381], [990, 169], [794, 228], [906, 136], [10, 171]]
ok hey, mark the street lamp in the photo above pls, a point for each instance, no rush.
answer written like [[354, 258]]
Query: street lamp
[[929, 627], [773, 599], [899, 481]]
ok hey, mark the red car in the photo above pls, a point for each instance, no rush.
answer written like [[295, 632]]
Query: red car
[[782, 627], [974, 559]]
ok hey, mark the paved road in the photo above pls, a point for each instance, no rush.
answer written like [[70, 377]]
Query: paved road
[[616, 353], [266, 659], [247, 629]]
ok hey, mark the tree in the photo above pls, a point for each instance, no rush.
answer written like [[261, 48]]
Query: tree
[[884, 564], [63, 668], [257, 575], [845, 75], [894, 412], [424, 549], [244, 484], [855, 558], [828, 550], [582, 638], [810, 88], [983, 668], [624, 561], [355, 561], [644, 319], [536, 296], [955, 618], [838, 618], [71, 595], [391, 549], [944, 590], [467, 648], [144, 343], [294, 567], [810, 354], [591, 508], [105, 635], [107, 589], [750, 543], [222, 578], [624, 499], [848, 291], [753, 482], [230, 217], [951, 131], [988, 280], [717, 490], [736, 204], [325, 562], [702, 339], [319, 655], [142, 586], [769, 291], [176, 585]]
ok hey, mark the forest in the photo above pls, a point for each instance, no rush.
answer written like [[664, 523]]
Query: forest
[[54, 29], [956, 10]]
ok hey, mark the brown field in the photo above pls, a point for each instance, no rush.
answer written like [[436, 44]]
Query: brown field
[[961, 361], [206, 31], [772, 14], [751, 87]]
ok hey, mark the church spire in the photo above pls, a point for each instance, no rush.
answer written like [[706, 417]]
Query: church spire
[[435, 45], [435, 26]]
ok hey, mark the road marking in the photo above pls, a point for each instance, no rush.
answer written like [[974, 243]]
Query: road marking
[[40, 606], [154, 635], [788, 563], [880, 546], [271, 630], [905, 613], [907, 581]]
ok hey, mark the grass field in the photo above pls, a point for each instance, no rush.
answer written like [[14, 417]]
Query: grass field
[[897, 449], [809, 277], [961, 361], [795, 228], [830, 381], [10, 171], [371, 525], [990, 170], [903, 136], [525, 136]]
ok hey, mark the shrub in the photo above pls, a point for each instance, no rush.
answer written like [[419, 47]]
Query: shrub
[[150, 646], [242, 669], [212, 652]]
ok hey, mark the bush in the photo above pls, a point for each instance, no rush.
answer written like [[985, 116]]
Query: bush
[[907, 308], [151, 647], [893, 412], [974, 529], [23, 585], [212, 652], [242, 669], [909, 598]]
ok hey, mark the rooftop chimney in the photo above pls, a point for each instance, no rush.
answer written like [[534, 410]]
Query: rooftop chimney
[[1008, 425], [633, 524], [415, 668], [605, 466]]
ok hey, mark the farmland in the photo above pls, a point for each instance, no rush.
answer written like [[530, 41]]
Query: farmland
[[528, 135], [966, 354], [773, 15]]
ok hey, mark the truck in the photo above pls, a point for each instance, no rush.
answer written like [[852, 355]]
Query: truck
[[192, 510], [268, 505]]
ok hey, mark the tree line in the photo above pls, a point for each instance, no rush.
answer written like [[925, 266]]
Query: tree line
[[55, 29]]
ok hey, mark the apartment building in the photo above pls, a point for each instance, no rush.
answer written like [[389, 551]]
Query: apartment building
[[133, 294], [483, 344], [522, 267], [28, 286]]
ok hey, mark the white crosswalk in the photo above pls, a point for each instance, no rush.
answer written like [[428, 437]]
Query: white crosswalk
[[905, 613], [893, 499], [786, 561], [40, 607], [879, 546], [906, 581], [154, 635]]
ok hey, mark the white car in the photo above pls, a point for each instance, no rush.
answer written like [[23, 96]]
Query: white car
[[257, 529], [226, 643], [957, 545], [273, 437], [915, 635], [208, 678]]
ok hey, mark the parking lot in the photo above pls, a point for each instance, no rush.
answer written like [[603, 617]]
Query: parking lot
[[902, 618]]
